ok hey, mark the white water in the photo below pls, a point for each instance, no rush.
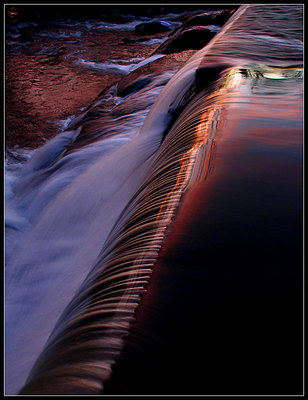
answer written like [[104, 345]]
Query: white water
[[150, 42], [58, 219], [70, 215], [116, 66], [126, 26], [71, 204], [106, 26]]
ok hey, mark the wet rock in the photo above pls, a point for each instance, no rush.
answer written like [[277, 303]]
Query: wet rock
[[54, 58], [131, 86], [44, 85], [135, 86], [222, 17], [218, 18], [194, 38], [142, 76], [199, 19], [150, 28], [186, 16]]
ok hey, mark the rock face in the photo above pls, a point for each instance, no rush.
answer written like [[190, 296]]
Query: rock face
[[46, 87], [46, 83], [131, 86], [218, 19], [194, 32], [186, 39], [222, 17], [140, 77], [150, 28]]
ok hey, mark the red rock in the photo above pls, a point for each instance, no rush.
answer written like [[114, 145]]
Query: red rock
[[43, 89]]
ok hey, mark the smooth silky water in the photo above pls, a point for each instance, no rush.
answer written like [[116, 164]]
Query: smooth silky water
[[77, 270], [223, 310]]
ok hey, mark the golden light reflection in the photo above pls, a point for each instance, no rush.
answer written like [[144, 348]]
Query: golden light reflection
[[204, 132], [110, 295], [196, 132]]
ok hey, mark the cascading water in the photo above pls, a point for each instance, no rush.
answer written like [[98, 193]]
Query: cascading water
[[97, 201]]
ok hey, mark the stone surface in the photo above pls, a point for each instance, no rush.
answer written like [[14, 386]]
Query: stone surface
[[45, 83], [218, 18], [193, 38], [222, 17], [43, 89], [130, 86], [150, 28], [171, 61]]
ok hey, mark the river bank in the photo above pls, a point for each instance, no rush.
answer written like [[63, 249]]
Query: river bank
[[54, 61]]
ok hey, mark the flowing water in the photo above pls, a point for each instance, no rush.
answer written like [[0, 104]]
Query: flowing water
[[89, 212]]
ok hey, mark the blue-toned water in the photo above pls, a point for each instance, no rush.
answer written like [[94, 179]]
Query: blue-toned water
[[209, 153]]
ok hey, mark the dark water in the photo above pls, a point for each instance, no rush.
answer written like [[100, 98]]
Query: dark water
[[223, 310], [204, 188]]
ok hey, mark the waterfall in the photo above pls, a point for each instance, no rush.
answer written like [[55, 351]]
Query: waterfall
[[97, 215]]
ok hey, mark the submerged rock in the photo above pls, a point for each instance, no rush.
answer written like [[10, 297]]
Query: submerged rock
[[186, 39], [149, 28]]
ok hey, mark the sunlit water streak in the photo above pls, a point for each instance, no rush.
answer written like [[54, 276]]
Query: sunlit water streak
[[97, 224]]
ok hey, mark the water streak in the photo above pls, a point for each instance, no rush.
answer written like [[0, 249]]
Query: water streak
[[118, 67], [104, 306], [98, 215]]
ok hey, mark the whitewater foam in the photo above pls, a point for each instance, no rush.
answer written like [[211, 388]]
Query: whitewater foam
[[116, 66]]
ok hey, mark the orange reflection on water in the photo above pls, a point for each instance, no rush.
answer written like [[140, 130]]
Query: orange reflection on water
[[255, 122], [204, 133]]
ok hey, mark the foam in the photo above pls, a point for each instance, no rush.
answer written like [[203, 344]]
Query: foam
[[116, 66]]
